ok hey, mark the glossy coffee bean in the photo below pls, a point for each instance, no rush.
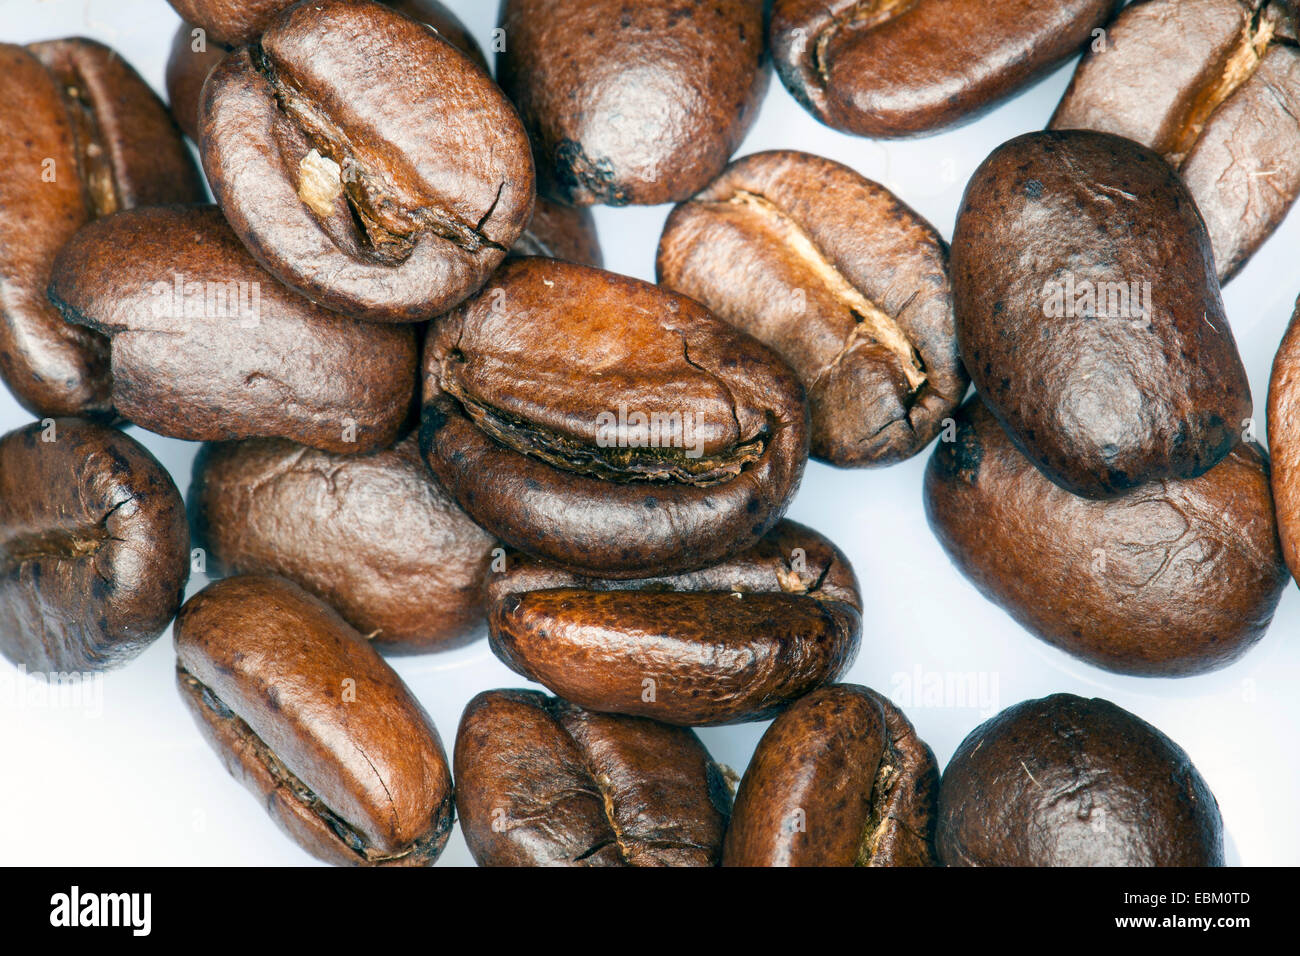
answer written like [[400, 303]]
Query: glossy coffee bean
[[206, 346], [1089, 315], [1214, 87], [94, 551], [898, 68], [1284, 442], [563, 232], [312, 721], [366, 162], [1179, 577], [846, 282], [627, 431], [1065, 781], [372, 535], [731, 643], [541, 782], [839, 779], [632, 103], [195, 53], [81, 136]]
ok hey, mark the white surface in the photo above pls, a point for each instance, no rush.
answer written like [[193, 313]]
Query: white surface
[[130, 782]]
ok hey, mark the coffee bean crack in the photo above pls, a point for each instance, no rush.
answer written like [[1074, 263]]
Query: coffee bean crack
[[874, 324], [390, 211]]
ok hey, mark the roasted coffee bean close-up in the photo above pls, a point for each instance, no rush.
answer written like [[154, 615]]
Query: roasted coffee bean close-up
[[760, 433]]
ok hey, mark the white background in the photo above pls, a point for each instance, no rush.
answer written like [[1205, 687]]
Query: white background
[[134, 784]]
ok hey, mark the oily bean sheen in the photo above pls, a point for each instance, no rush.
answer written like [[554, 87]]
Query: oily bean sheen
[[1089, 315], [541, 782], [193, 55], [312, 721], [1065, 781], [904, 67], [365, 161], [1214, 87], [206, 346], [633, 103], [839, 779], [81, 136], [733, 642], [1179, 577], [94, 551], [1284, 442], [846, 282], [372, 535], [627, 431]]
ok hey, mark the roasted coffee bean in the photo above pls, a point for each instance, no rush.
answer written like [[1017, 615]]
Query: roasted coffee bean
[[313, 722], [373, 536], [541, 782], [839, 779], [94, 552], [81, 136], [627, 431], [231, 21], [1214, 87], [366, 162], [193, 56], [564, 232], [902, 67], [1284, 442], [208, 347], [1179, 577], [846, 282], [633, 103], [194, 53], [731, 643], [1065, 781], [1089, 315]]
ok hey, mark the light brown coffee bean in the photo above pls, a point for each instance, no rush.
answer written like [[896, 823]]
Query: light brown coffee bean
[[846, 282], [312, 721]]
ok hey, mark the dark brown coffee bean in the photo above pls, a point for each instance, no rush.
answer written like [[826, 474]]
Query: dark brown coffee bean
[[731, 643], [901, 67], [839, 779], [94, 551], [627, 431], [373, 536], [1214, 87], [195, 53], [81, 136], [846, 282], [313, 722], [632, 103], [1179, 577], [366, 162], [1089, 315], [561, 232], [541, 782], [1065, 781], [1284, 442], [206, 346]]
